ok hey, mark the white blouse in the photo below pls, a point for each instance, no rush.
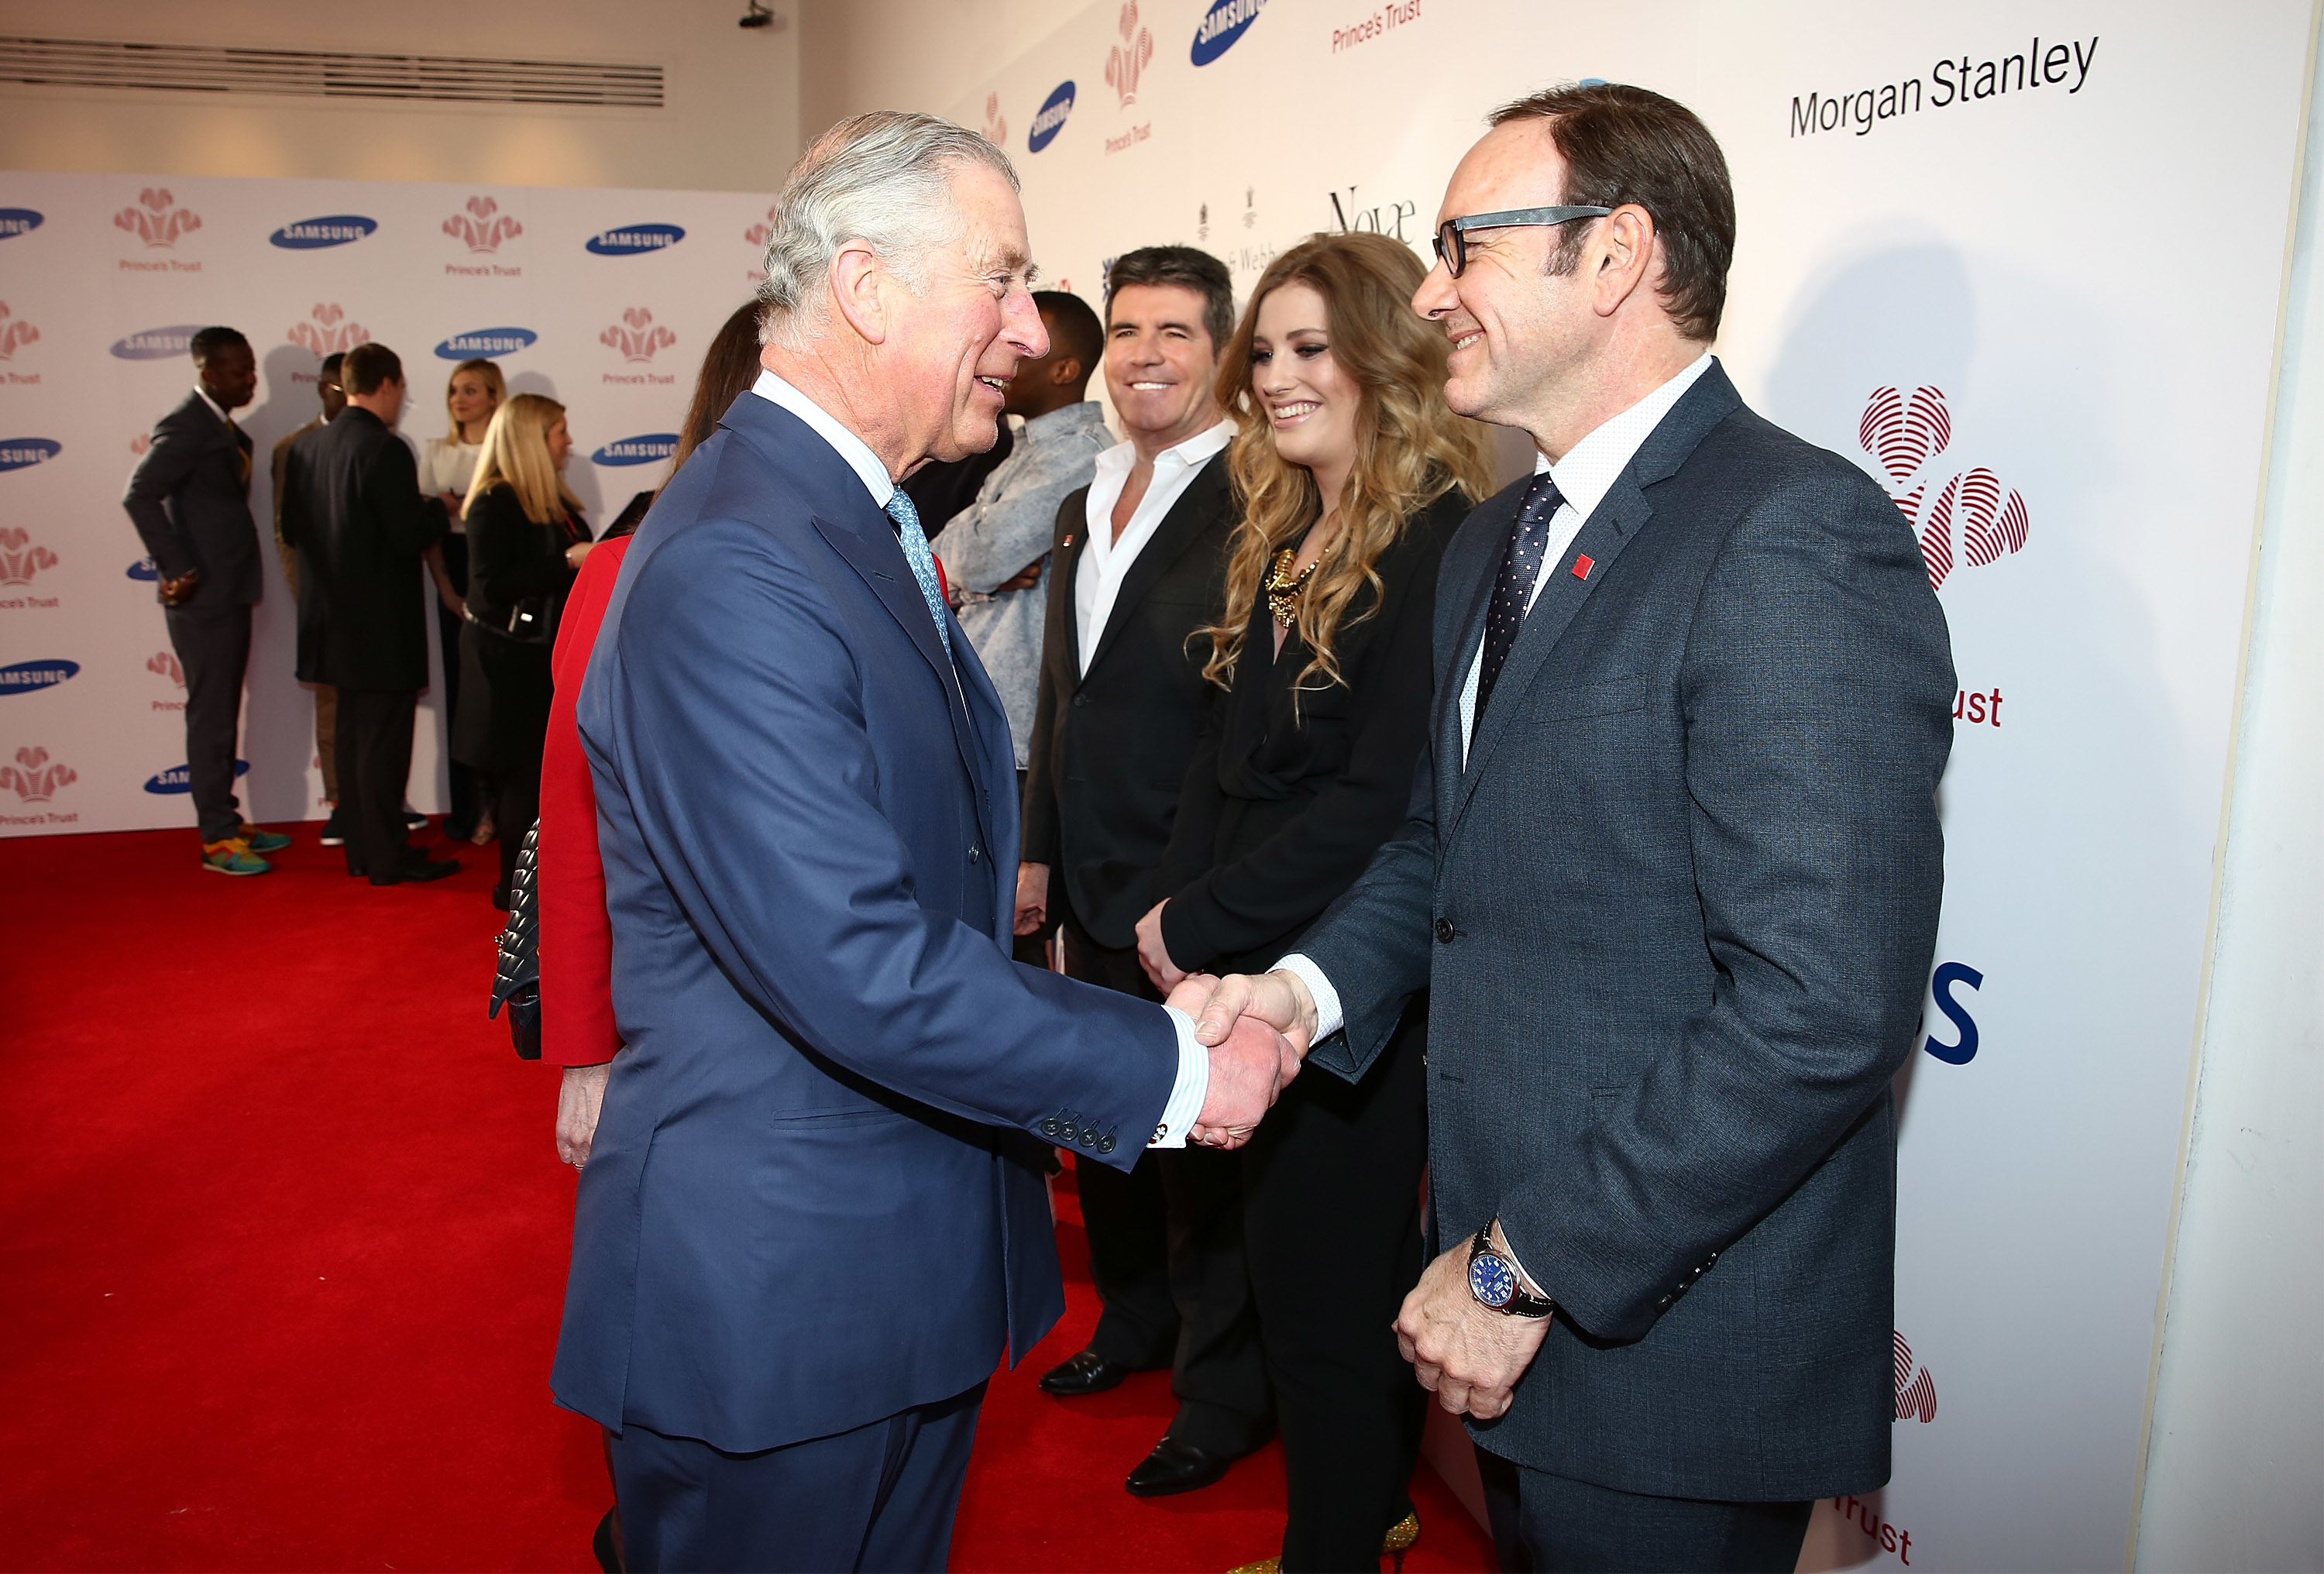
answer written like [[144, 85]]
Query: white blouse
[[449, 465]]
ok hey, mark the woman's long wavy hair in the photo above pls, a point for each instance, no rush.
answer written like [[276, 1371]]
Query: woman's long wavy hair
[[516, 456], [1410, 447]]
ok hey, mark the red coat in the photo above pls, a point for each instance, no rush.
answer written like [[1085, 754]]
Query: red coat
[[577, 938]]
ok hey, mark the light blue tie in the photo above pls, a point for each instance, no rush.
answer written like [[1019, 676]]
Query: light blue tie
[[924, 562]]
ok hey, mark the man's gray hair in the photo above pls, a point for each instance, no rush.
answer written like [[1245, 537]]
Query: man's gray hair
[[883, 178]]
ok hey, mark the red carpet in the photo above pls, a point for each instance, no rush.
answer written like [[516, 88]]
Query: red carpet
[[285, 1238]]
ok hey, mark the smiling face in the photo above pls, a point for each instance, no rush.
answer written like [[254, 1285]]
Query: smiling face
[[1515, 327], [1161, 364], [471, 401], [956, 345], [560, 443], [1312, 405]]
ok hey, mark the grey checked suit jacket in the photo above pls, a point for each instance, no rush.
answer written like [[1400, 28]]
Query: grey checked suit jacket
[[1675, 915]]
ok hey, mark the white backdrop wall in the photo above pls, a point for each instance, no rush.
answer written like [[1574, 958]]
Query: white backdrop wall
[[1968, 260], [605, 299]]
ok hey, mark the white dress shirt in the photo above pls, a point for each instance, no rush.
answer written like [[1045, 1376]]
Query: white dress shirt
[[1192, 1086], [217, 408], [1104, 561]]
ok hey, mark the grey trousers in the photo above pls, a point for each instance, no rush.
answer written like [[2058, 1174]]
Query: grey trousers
[[1553, 1524], [213, 647]]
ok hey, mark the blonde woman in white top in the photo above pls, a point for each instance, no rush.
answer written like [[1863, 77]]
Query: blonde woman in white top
[[447, 464]]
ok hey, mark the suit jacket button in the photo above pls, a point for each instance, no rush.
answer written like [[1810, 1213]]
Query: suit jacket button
[[1445, 932], [1105, 1144], [1081, 699], [1663, 1304], [1089, 1137]]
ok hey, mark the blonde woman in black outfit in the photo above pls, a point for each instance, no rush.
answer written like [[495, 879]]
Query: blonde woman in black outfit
[[1352, 475], [526, 541]]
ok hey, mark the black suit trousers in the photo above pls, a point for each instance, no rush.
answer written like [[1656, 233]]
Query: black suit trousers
[[375, 748], [1166, 1255], [1553, 1524], [213, 647]]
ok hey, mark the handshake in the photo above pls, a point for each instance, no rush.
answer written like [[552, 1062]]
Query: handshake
[[1258, 1031]]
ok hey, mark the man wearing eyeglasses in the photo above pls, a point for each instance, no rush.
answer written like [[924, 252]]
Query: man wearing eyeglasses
[[1670, 878]]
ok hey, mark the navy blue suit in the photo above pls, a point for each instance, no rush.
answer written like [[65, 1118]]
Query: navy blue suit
[[815, 1198]]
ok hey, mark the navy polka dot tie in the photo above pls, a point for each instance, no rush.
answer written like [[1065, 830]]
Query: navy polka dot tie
[[923, 560], [1512, 587]]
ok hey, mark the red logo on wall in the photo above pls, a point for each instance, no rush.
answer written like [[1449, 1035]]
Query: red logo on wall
[[996, 128], [15, 334], [637, 335], [1971, 523], [156, 219], [1915, 1395], [483, 227], [1127, 62], [140, 443], [326, 333], [20, 559], [34, 776], [164, 665]]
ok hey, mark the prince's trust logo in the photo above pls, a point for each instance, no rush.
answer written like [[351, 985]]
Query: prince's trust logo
[[22, 560], [35, 778], [326, 332], [156, 219], [1127, 62], [1969, 523]]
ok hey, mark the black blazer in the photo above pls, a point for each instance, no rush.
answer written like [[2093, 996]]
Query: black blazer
[[1109, 751], [504, 717], [1282, 808], [1674, 909], [351, 505], [189, 499]]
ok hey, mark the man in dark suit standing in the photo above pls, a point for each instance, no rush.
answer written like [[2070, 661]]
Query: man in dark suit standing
[[1671, 877], [189, 499], [813, 1215], [352, 508], [1138, 564]]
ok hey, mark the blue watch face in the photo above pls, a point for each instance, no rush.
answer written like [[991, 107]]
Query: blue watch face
[[1492, 1280]]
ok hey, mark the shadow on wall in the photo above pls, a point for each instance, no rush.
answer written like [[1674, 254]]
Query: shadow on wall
[[278, 730]]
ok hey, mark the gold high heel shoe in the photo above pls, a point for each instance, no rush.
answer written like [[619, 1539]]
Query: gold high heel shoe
[[1393, 1546]]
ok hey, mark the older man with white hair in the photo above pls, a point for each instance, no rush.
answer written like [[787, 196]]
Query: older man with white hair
[[814, 1218]]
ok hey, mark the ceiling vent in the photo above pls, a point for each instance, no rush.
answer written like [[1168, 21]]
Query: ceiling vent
[[61, 62]]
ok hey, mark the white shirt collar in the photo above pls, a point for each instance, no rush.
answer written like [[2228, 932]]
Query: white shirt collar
[[1192, 454], [847, 443], [1592, 465], [217, 408]]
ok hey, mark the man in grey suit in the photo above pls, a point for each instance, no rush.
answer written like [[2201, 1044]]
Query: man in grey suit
[[1671, 877]]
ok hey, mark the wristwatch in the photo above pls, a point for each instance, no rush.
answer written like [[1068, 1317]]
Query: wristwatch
[[1494, 1280]]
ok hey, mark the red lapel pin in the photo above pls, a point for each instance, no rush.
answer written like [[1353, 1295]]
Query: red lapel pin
[[1582, 565]]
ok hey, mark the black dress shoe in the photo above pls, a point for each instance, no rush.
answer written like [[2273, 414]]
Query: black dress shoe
[[416, 868], [1086, 1373], [1175, 1466]]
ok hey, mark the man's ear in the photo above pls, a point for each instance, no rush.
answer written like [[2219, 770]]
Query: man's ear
[[1064, 373], [857, 279], [1626, 247]]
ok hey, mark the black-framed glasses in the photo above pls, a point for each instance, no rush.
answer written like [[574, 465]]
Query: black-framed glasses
[[1451, 236]]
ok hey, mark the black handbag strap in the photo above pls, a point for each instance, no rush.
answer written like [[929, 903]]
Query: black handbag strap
[[516, 977]]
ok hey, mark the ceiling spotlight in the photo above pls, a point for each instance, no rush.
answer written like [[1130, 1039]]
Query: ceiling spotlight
[[757, 16]]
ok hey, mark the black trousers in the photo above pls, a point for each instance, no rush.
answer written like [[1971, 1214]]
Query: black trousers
[[461, 819], [878, 1497], [1332, 1211], [516, 804], [213, 647], [1553, 1524], [375, 748], [1166, 1255]]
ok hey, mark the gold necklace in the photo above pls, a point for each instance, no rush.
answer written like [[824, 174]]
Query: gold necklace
[[1284, 587]]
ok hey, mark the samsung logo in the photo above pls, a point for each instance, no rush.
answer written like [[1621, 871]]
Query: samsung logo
[[25, 677], [18, 221], [16, 452], [486, 343], [644, 450], [175, 779], [157, 344], [143, 569], [630, 239], [335, 230], [1051, 119], [1222, 25]]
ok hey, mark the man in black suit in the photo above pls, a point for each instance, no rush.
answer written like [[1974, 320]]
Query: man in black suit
[[1138, 564], [1671, 877], [352, 508], [189, 499]]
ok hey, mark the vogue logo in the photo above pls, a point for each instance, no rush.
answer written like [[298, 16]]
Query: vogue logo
[[18, 453], [14, 335], [644, 450], [483, 227], [155, 219], [309, 234], [1051, 118], [1124, 66], [24, 676], [1222, 25], [1942, 984], [176, 780], [20, 559], [1916, 1396], [633, 239], [326, 333], [18, 221], [35, 777], [486, 344], [156, 344], [637, 336], [1904, 434]]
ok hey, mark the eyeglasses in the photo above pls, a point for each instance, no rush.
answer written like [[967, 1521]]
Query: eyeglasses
[[1451, 236]]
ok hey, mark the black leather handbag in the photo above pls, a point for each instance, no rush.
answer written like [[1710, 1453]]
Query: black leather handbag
[[516, 979]]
